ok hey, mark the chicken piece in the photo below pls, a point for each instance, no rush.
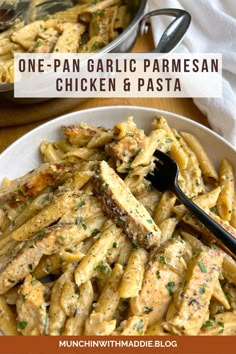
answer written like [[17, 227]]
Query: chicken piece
[[127, 146], [26, 36], [192, 300], [31, 308], [46, 41], [31, 184], [56, 313], [49, 241], [126, 211], [161, 279], [81, 134]]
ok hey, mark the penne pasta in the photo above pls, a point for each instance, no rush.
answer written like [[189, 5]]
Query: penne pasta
[[8, 324], [97, 252], [89, 247], [175, 148], [164, 207], [132, 279], [224, 204], [233, 215], [206, 165], [110, 293], [76, 322]]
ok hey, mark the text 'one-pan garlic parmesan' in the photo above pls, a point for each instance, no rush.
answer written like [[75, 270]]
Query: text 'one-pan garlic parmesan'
[[89, 247]]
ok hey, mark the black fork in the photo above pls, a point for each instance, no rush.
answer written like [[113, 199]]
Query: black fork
[[165, 177]]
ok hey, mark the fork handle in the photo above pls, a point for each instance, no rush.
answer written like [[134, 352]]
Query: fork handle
[[219, 232]]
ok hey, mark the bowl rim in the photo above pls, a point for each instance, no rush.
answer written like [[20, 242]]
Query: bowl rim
[[71, 115]]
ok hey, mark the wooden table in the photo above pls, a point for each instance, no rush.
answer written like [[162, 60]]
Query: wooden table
[[53, 108]]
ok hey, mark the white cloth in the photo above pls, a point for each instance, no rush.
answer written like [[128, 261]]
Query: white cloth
[[212, 30]]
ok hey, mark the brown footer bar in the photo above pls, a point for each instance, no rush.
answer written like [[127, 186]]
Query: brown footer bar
[[118, 345]]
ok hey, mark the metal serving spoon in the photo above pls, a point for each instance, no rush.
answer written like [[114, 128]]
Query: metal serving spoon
[[174, 33]]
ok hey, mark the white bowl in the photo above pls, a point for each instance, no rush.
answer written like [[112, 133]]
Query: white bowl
[[23, 155]]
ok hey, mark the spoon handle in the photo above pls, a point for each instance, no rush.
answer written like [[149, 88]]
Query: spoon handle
[[218, 231], [175, 31]]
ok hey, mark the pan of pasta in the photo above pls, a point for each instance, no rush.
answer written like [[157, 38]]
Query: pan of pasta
[[83, 26], [89, 247]]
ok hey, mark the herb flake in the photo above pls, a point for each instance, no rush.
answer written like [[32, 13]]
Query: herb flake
[[208, 324], [170, 287], [202, 267], [22, 324]]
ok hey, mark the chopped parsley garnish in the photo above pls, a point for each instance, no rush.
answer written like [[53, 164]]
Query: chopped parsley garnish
[[158, 274], [214, 246], [208, 324], [103, 267], [149, 221], [95, 232], [222, 325], [101, 13], [22, 324], [169, 140], [202, 267], [147, 309], [162, 260], [170, 287], [80, 221], [61, 261], [119, 221], [140, 326], [202, 289], [84, 226], [213, 210], [114, 245], [41, 234], [20, 192], [30, 266], [80, 205], [60, 330]]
